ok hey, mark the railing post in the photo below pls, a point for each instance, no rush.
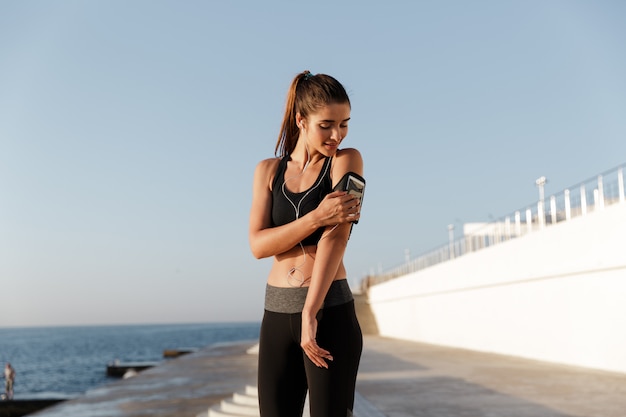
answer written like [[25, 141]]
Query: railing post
[[620, 182], [529, 220], [451, 239], [568, 207], [583, 200], [507, 228], [553, 209], [600, 199], [495, 232], [518, 223]]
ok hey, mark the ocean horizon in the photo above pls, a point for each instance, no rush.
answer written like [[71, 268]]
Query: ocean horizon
[[67, 361]]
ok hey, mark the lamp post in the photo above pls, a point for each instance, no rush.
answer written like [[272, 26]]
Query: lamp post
[[540, 183]]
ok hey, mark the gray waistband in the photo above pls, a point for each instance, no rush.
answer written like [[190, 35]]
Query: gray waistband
[[291, 300]]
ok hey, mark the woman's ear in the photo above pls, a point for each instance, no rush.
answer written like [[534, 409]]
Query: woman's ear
[[299, 121]]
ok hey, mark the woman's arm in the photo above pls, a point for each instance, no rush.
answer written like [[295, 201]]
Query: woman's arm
[[266, 240], [328, 258]]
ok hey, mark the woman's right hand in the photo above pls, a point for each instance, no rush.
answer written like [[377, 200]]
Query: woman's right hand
[[339, 207]]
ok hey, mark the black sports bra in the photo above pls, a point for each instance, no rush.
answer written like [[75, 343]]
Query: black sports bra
[[287, 206]]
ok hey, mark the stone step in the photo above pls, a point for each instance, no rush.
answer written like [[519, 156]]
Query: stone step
[[216, 411], [246, 399], [246, 405], [232, 407], [252, 390]]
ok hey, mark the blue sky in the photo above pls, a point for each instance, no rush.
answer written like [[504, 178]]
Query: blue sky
[[129, 133]]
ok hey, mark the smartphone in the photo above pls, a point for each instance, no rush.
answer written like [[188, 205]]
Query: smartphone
[[354, 184]]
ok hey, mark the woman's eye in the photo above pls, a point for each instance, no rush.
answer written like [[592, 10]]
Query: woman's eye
[[325, 127]]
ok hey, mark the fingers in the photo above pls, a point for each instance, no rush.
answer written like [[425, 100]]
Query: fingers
[[317, 355], [335, 194], [352, 209], [342, 207], [349, 204], [354, 206], [343, 196]]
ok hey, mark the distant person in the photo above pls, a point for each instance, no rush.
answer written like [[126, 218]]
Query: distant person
[[310, 337], [9, 378]]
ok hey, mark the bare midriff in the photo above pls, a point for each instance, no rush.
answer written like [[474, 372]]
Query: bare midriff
[[294, 268]]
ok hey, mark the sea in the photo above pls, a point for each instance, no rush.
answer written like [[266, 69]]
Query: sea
[[65, 362]]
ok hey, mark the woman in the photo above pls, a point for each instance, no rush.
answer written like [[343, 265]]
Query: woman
[[310, 337]]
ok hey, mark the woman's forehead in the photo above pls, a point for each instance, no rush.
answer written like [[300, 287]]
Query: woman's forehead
[[333, 111]]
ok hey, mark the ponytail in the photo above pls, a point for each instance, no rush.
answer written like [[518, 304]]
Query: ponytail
[[307, 94]]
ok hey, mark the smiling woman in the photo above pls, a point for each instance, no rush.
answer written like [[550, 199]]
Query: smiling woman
[[310, 337]]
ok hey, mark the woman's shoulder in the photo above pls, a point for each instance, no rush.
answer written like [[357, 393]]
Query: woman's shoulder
[[265, 172], [348, 153], [349, 159], [267, 165]]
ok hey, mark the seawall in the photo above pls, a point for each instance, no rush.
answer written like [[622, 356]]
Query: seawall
[[555, 295]]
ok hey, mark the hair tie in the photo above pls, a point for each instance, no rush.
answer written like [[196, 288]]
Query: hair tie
[[308, 75]]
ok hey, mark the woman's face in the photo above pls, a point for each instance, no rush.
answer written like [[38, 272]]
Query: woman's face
[[325, 129]]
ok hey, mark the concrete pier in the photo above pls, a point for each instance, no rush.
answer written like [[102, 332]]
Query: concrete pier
[[180, 387], [397, 378]]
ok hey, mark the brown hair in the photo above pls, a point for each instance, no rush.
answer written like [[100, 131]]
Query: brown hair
[[307, 94]]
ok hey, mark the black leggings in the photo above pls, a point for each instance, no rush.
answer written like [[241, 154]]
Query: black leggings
[[285, 372]]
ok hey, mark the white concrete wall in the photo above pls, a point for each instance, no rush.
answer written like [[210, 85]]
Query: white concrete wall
[[557, 295]]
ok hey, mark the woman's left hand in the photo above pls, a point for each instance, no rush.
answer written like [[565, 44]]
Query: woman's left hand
[[316, 354]]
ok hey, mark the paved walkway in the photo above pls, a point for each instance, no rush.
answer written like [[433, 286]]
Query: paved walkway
[[396, 379], [404, 379]]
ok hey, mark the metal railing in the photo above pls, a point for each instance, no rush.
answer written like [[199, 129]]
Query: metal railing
[[591, 195]]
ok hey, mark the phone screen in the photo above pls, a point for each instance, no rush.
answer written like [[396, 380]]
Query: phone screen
[[355, 186]]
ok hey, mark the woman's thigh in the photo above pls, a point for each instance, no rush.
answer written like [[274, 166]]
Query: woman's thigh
[[331, 390], [281, 377]]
